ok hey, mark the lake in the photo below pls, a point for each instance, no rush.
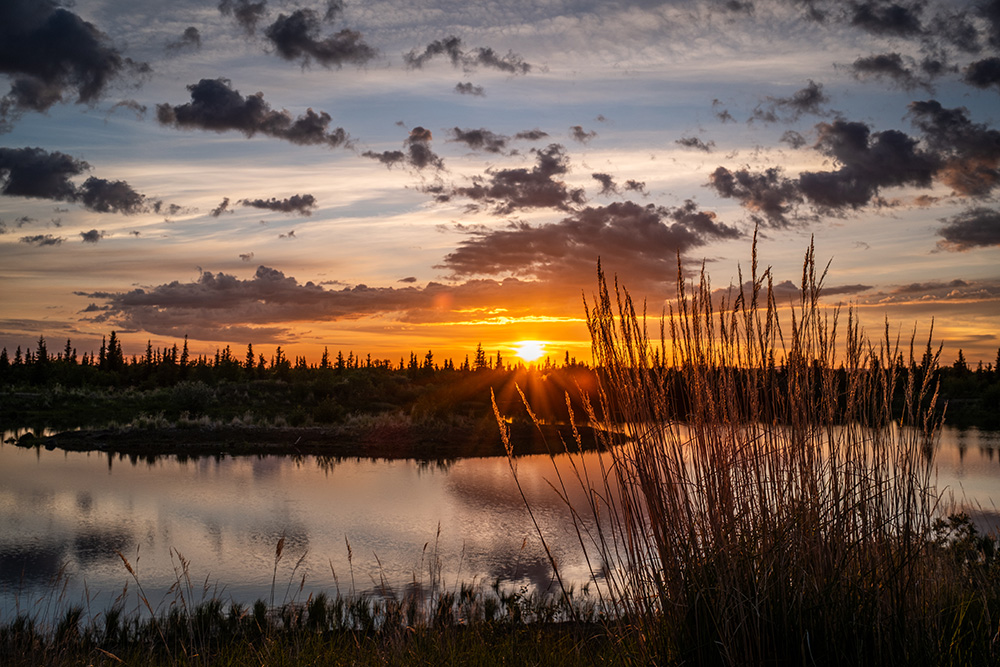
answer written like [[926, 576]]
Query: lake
[[350, 525]]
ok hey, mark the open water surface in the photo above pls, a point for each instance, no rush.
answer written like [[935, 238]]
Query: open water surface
[[350, 525]]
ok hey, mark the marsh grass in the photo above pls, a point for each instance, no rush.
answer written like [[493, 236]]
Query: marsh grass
[[423, 624], [789, 519]]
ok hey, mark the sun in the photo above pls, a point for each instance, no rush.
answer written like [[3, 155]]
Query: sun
[[530, 350]]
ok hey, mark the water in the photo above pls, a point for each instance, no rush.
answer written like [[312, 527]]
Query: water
[[65, 516]]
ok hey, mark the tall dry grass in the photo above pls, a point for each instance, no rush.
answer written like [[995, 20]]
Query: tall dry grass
[[790, 518]]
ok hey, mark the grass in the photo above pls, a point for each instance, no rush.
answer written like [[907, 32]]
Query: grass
[[790, 519]]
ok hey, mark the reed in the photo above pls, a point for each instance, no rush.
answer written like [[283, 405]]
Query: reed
[[789, 518]]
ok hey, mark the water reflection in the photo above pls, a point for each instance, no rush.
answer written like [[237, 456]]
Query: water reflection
[[349, 524]]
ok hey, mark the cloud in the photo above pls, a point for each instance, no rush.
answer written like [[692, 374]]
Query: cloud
[[41, 240], [452, 48], [216, 106], [983, 73], [808, 100], [577, 133], [481, 139], [969, 152], [49, 51], [302, 204], [189, 39], [247, 14], [246, 256], [793, 139], [220, 306], [93, 236], [33, 172], [470, 89], [608, 186], [643, 240], [297, 37], [869, 161], [768, 192], [221, 208], [973, 228], [888, 19], [132, 105], [891, 66], [531, 135], [696, 143], [506, 190], [408, 279], [104, 196], [418, 153]]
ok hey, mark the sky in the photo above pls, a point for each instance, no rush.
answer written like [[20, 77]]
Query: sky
[[394, 176]]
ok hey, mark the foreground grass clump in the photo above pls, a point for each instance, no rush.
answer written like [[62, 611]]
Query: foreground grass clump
[[791, 518], [470, 626]]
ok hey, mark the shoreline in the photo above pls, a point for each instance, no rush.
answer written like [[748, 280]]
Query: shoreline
[[427, 442]]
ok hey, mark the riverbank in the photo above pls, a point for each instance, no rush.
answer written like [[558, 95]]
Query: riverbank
[[385, 438]]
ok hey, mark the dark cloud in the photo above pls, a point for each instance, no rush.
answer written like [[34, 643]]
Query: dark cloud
[[531, 135], [449, 46], [808, 100], [246, 256], [408, 279], [470, 89], [302, 204], [216, 106], [247, 14], [608, 186], [952, 150], [739, 7], [189, 39], [42, 240], [642, 240], [983, 73], [220, 306], [974, 228], [452, 48], [487, 57], [891, 66], [889, 19], [334, 8], [481, 139], [418, 153], [969, 152], [106, 196], [48, 51], [166, 209], [869, 161], [577, 133], [635, 186], [132, 105], [289, 235], [297, 37], [221, 208], [696, 143], [924, 288], [93, 236], [506, 190], [793, 139], [768, 192], [33, 172]]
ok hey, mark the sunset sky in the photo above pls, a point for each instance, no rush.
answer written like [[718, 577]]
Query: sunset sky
[[390, 176]]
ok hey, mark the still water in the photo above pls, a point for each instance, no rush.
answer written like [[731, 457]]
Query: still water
[[350, 525]]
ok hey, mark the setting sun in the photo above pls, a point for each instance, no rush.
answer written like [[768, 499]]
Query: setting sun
[[530, 350]]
